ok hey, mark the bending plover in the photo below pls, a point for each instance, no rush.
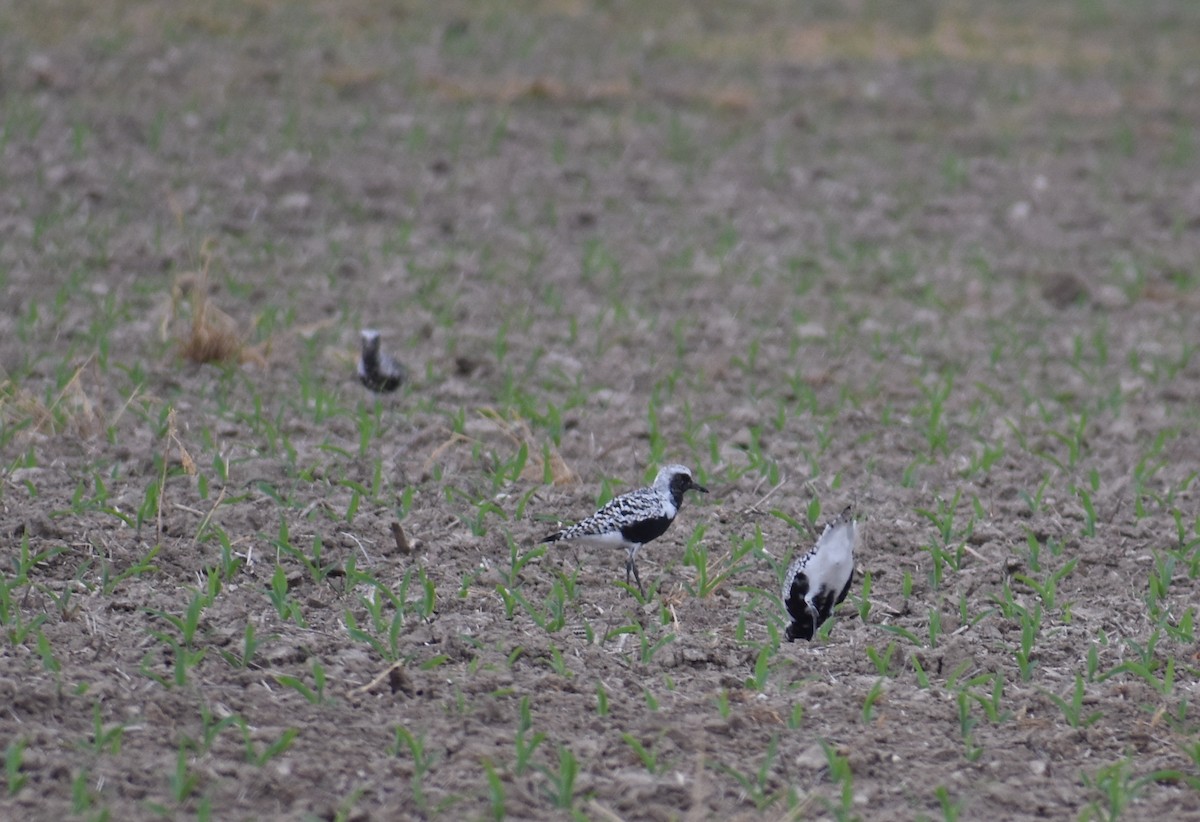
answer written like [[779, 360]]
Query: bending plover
[[376, 370], [820, 579], [633, 519]]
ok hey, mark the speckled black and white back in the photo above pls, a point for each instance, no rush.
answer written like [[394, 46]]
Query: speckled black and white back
[[819, 580], [633, 519]]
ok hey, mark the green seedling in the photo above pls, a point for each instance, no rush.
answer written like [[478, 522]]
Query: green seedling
[[557, 664], [314, 695], [1047, 588], [1160, 581], [414, 745], [989, 700], [187, 624], [345, 808], [317, 569], [1089, 511], [272, 750], [1183, 631], [762, 668], [1072, 706], [723, 703], [882, 662], [873, 696], [1031, 626], [14, 755], [756, 784], [104, 739], [1117, 789], [249, 646], [517, 562], [937, 433], [1036, 499], [183, 780], [951, 809], [496, 806], [966, 724], [109, 583], [287, 608], [183, 649], [601, 699], [1146, 671], [645, 755], [903, 632], [17, 628], [525, 742], [710, 577], [840, 774], [82, 797], [562, 781], [796, 717], [935, 626], [211, 728], [864, 597], [942, 519], [919, 672]]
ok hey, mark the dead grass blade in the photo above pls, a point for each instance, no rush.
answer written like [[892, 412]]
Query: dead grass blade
[[518, 431], [185, 459], [71, 411], [213, 335]]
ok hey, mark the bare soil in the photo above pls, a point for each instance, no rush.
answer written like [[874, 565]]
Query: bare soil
[[938, 262]]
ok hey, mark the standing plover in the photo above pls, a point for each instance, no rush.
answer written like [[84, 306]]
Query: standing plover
[[376, 370], [635, 518], [820, 579]]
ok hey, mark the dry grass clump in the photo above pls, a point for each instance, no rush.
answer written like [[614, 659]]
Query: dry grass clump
[[544, 459], [185, 460], [542, 462], [72, 411], [212, 336]]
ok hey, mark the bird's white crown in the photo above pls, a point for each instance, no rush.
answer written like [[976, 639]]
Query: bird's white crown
[[662, 480]]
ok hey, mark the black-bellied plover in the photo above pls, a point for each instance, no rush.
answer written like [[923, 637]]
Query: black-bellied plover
[[376, 370], [635, 518], [820, 579]]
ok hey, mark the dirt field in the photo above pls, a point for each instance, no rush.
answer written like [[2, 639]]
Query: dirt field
[[938, 262]]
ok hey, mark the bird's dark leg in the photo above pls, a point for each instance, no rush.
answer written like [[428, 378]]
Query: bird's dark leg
[[631, 566]]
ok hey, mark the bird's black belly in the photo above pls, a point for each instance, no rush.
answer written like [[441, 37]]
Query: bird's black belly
[[380, 383], [802, 626], [823, 603], [645, 530]]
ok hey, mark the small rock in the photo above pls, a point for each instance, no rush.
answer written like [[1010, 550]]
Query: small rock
[[1062, 290], [812, 758], [295, 201]]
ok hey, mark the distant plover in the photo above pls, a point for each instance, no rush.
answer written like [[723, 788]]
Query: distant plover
[[376, 370], [635, 518], [820, 579]]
